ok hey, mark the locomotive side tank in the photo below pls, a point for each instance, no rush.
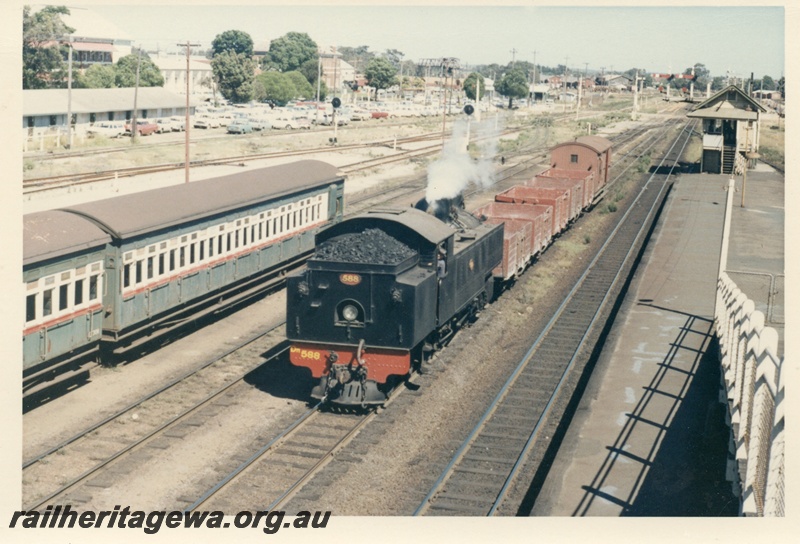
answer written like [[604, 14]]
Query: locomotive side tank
[[382, 288]]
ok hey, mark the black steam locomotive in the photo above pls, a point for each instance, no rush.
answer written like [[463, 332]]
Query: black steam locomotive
[[383, 290]]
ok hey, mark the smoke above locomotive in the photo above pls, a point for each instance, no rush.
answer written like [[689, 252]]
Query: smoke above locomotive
[[451, 174]]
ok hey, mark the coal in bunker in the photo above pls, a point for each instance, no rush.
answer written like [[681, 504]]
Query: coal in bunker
[[369, 246]]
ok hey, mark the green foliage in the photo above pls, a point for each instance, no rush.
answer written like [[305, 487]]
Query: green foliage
[[513, 85], [358, 57], [302, 87], [380, 73], [125, 71], [96, 76], [234, 74], [232, 40], [470, 84], [276, 87], [395, 57], [289, 52], [43, 63]]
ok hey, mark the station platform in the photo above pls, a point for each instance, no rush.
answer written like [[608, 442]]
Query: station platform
[[649, 436]]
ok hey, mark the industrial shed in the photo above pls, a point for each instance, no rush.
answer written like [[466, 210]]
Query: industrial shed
[[44, 110]]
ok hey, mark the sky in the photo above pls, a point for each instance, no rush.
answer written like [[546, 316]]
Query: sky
[[738, 39]]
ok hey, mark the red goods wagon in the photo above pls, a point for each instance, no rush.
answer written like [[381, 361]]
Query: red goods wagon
[[586, 154], [585, 179], [517, 246], [558, 199], [575, 188], [540, 217]]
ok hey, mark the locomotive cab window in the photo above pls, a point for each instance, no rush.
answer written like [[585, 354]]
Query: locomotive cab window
[[573, 159]]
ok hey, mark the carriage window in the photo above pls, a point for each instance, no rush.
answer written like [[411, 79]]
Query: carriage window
[[126, 275], [138, 271], [78, 292], [160, 264], [63, 297], [149, 268], [93, 286], [30, 307], [182, 257], [202, 250], [191, 254], [47, 302]]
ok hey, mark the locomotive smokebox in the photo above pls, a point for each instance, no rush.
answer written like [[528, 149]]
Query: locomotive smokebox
[[444, 209]]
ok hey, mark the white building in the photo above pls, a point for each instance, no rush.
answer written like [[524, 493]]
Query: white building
[[95, 40], [173, 68]]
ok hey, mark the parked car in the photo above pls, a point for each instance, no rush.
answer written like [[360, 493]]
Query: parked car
[[288, 123], [259, 124], [380, 114], [143, 127], [360, 115], [164, 125], [109, 129], [206, 121], [178, 123], [239, 126]]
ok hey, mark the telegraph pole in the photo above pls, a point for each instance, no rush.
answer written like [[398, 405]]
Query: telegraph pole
[[134, 126], [187, 45], [69, 95]]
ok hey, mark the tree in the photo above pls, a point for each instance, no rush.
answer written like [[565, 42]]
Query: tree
[[289, 52], [717, 83], [234, 73], [96, 76], [470, 84], [513, 85], [768, 84], [232, 40], [125, 71], [302, 88], [395, 57], [277, 87], [43, 55], [380, 73], [358, 57]]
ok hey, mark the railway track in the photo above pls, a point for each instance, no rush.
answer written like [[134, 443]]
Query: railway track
[[510, 433], [167, 412]]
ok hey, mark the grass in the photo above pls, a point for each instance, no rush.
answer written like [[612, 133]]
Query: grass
[[772, 143]]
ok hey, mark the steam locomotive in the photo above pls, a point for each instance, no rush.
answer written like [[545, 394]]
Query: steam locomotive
[[382, 291]]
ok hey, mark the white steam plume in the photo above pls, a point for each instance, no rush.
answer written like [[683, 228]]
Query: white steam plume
[[452, 173]]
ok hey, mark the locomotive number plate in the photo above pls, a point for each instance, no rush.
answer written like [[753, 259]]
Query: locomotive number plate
[[350, 279]]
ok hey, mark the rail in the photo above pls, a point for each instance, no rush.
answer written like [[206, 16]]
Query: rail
[[754, 388]]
